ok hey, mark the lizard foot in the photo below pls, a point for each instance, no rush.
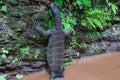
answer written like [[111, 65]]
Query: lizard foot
[[56, 79], [54, 76]]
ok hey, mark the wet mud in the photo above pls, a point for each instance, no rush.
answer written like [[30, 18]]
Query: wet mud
[[100, 67]]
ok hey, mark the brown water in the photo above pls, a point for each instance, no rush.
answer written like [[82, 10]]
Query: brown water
[[102, 67]]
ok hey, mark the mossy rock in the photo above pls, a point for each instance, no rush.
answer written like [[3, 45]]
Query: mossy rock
[[13, 2], [16, 12]]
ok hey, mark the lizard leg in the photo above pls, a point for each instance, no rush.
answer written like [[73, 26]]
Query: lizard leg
[[57, 74], [67, 32], [42, 31]]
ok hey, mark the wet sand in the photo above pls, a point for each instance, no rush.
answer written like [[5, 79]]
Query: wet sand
[[102, 67]]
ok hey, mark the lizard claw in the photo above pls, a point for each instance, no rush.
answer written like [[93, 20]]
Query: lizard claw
[[54, 76], [56, 79]]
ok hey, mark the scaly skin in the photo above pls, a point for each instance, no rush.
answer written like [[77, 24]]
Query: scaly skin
[[56, 46]]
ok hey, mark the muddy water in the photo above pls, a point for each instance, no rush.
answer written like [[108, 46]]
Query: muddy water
[[102, 67]]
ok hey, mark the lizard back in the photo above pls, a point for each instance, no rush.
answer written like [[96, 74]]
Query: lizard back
[[55, 55]]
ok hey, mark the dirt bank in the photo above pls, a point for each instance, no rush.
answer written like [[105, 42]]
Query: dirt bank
[[102, 67]]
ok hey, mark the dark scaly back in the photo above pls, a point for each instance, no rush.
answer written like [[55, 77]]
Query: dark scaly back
[[55, 48]]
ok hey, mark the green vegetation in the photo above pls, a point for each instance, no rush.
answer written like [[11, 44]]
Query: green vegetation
[[3, 53], [3, 8], [88, 17], [3, 77], [19, 76], [91, 17], [93, 35], [58, 3]]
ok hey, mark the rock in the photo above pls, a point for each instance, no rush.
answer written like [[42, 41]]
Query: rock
[[13, 78], [2, 68], [16, 12], [11, 67], [38, 65], [113, 36], [1, 73], [11, 73], [13, 2], [118, 48], [30, 33], [7, 61], [27, 69], [37, 0], [67, 59], [17, 26], [42, 68], [1, 15], [22, 63], [31, 10], [41, 16], [71, 52], [25, 1], [96, 48], [1, 60]]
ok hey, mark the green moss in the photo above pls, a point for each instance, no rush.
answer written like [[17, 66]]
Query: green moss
[[16, 14]]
